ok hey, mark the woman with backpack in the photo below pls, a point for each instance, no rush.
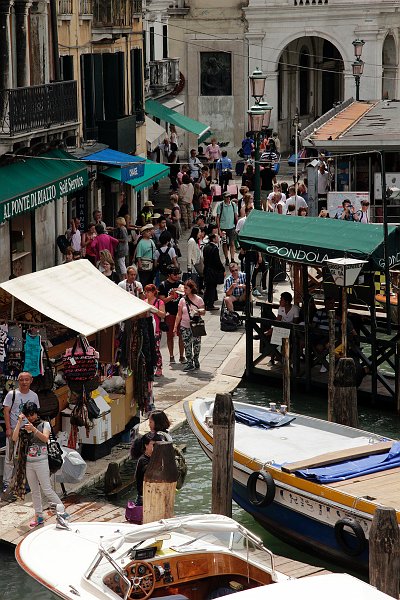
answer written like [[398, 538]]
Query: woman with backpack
[[165, 255]]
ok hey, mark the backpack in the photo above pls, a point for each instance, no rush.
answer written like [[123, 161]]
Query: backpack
[[164, 260], [230, 321], [62, 243]]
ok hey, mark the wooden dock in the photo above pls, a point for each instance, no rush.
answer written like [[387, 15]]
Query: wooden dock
[[81, 510]]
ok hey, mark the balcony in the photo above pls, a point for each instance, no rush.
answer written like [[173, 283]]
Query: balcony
[[178, 8], [113, 14], [164, 74], [64, 9], [38, 108], [86, 9], [138, 7]]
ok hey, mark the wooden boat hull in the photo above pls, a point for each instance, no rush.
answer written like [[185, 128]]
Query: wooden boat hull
[[301, 513]]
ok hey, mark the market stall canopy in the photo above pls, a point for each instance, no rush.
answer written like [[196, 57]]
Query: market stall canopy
[[312, 241], [130, 166], [37, 180], [154, 134], [152, 172], [76, 295], [168, 115]]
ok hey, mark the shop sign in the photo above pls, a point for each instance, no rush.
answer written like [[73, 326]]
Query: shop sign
[[132, 171], [42, 195], [297, 254]]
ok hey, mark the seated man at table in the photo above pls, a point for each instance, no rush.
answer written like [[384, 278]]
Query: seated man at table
[[234, 287], [287, 313]]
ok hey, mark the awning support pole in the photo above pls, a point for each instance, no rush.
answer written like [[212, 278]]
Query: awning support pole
[[12, 307], [249, 324], [385, 242]]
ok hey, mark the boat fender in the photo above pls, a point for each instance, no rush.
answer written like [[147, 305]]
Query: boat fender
[[257, 499], [357, 530]]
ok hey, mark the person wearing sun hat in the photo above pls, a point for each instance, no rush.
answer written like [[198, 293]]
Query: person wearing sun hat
[[146, 214], [145, 255]]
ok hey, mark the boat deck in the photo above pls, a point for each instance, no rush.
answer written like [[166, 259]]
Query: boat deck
[[103, 511], [382, 488]]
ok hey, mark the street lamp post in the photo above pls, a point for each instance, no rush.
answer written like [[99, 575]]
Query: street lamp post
[[358, 65], [259, 119]]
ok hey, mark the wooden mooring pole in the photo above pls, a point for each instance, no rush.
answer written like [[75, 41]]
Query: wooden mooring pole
[[384, 552], [345, 401], [159, 483], [222, 463], [331, 369], [286, 372]]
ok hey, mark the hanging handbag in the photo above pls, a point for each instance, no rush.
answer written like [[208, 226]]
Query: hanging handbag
[[80, 361], [54, 453], [164, 326], [92, 408], [44, 382]]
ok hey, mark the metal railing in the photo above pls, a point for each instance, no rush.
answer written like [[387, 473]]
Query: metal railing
[[65, 7], [85, 7], [38, 107], [112, 13], [164, 73], [137, 7]]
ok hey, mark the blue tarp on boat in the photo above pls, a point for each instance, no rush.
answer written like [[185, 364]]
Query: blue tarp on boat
[[353, 468], [263, 419]]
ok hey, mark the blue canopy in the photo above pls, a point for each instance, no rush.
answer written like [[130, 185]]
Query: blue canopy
[[354, 468], [131, 166]]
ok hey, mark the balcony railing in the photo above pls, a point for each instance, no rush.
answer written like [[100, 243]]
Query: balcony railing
[[85, 7], [64, 7], [164, 74], [137, 7], [112, 13], [38, 107]]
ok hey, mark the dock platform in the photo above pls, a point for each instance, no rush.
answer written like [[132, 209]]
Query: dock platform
[[81, 510]]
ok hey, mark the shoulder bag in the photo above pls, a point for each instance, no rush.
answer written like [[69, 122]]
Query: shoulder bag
[[147, 263], [163, 324], [54, 453], [197, 325]]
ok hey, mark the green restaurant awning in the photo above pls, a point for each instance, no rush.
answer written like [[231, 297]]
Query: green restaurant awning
[[152, 172], [35, 181], [154, 108], [312, 241]]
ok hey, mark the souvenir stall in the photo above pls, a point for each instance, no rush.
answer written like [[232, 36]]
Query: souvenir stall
[[89, 346]]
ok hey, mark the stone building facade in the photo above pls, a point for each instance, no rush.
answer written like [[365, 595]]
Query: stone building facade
[[304, 46]]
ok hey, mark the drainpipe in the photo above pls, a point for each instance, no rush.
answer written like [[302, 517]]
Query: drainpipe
[[54, 39]]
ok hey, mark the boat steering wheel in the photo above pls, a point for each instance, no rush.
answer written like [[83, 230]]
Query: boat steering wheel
[[143, 579]]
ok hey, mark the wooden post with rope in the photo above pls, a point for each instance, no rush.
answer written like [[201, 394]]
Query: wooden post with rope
[[222, 462], [159, 483], [286, 372], [331, 369]]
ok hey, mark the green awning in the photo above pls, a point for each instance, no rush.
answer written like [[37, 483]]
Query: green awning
[[154, 108], [35, 181], [152, 172], [312, 241]]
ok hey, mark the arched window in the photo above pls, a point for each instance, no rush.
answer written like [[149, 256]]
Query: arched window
[[304, 82]]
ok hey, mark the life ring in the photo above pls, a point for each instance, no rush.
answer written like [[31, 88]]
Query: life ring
[[357, 530], [254, 498]]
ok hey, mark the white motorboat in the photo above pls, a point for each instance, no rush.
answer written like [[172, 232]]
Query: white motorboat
[[196, 557], [321, 587]]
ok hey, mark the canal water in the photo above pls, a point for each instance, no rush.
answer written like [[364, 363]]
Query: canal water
[[195, 496]]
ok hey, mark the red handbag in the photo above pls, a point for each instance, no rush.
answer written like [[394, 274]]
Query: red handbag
[[80, 361]]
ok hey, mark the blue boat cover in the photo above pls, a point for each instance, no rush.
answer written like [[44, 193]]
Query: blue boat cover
[[354, 468], [262, 419]]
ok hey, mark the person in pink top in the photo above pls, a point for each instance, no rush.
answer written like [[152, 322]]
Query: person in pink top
[[158, 311], [213, 153], [103, 241]]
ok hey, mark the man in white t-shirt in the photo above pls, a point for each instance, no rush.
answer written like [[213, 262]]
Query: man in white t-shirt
[[12, 406], [74, 235], [130, 284], [294, 202], [287, 313]]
